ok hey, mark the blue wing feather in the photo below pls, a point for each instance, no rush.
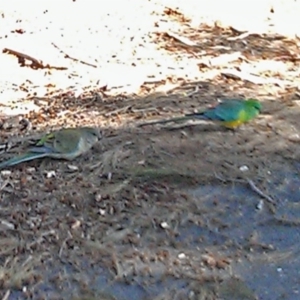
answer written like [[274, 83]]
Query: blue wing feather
[[41, 149], [226, 111]]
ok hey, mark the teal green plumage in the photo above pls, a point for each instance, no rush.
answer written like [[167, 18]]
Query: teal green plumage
[[230, 113], [65, 144]]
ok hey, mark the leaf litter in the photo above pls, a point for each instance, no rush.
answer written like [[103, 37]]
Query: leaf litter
[[128, 209]]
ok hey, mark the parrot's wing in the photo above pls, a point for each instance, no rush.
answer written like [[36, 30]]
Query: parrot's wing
[[66, 141], [46, 138], [61, 141], [41, 149], [226, 111], [22, 158]]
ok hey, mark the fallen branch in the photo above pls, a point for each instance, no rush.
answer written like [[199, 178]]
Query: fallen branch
[[35, 64]]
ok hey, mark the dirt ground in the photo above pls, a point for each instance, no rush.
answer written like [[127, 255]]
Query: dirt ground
[[175, 211]]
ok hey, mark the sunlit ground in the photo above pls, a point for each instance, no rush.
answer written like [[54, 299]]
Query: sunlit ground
[[161, 212]]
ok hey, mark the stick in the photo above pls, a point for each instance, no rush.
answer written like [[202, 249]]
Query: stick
[[35, 64], [260, 192], [72, 58]]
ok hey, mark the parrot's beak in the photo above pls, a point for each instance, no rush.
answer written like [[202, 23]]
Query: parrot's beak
[[100, 134]]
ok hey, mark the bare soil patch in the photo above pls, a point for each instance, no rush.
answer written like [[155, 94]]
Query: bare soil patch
[[124, 221]]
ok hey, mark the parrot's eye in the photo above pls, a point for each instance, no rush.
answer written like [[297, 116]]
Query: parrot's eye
[[96, 134], [257, 106]]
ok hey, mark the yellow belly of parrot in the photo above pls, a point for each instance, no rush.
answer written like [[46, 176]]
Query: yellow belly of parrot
[[242, 118], [232, 124]]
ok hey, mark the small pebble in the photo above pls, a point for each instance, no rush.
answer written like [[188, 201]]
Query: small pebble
[[244, 168]]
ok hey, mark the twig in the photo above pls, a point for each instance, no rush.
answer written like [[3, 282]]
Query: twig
[[286, 222], [5, 147], [117, 111], [63, 245], [226, 180], [6, 295], [195, 91], [260, 192], [241, 36], [253, 78], [182, 40], [39, 239], [143, 110], [5, 184], [253, 187], [72, 58]]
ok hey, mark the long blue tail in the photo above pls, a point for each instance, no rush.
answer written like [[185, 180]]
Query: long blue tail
[[22, 158], [198, 115]]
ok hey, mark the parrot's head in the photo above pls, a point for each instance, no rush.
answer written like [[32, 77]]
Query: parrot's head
[[254, 104], [92, 135]]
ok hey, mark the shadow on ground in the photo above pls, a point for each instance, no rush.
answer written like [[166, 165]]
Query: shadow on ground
[[159, 212]]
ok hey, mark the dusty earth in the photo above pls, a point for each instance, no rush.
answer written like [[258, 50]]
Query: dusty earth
[[175, 211]]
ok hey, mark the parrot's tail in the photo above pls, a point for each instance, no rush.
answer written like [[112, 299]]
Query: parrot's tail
[[186, 117], [162, 121], [22, 158], [198, 115]]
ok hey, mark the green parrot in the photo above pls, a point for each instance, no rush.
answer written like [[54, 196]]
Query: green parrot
[[230, 113], [67, 144]]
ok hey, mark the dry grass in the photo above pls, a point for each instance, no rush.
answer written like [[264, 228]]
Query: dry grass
[[125, 214]]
